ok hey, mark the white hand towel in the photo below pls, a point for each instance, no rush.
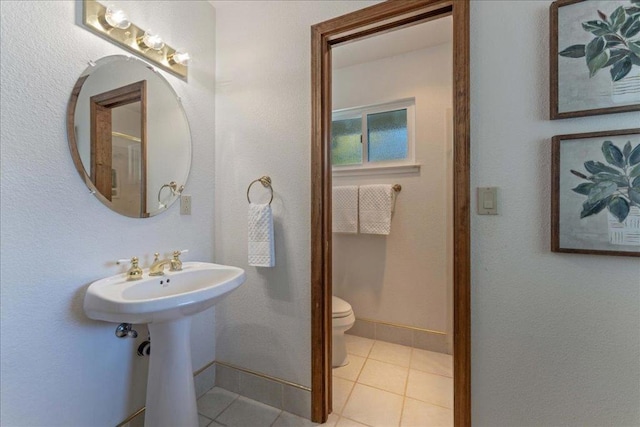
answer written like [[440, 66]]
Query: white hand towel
[[345, 209], [261, 242], [376, 207]]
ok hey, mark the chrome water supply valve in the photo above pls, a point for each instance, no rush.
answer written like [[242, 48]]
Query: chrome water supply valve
[[125, 330]]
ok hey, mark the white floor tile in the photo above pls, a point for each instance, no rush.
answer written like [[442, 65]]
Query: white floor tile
[[346, 422], [391, 353], [376, 399], [245, 412], [430, 388], [216, 400], [341, 390], [286, 419], [384, 375], [351, 370], [430, 361], [203, 421], [359, 346], [421, 414], [373, 407]]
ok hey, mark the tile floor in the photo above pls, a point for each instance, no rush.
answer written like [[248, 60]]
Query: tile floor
[[384, 385], [219, 407], [388, 384]]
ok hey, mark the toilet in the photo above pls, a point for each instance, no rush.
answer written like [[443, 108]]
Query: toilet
[[342, 320]]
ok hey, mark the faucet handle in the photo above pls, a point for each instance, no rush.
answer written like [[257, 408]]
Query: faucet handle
[[156, 257], [176, 254], [176, 263], [135, 272]]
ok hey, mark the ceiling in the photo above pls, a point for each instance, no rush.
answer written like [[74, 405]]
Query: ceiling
[[394, 43]]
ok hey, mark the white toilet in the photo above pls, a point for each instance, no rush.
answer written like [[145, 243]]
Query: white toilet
[[343, 320]]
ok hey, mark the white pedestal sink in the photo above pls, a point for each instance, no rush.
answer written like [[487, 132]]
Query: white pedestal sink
[[167, 304]]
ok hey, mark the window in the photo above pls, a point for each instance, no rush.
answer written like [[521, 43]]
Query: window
[[373, 136]]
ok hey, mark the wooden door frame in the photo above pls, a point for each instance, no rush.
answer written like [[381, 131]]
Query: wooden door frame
[[377, 19], [100, 123]]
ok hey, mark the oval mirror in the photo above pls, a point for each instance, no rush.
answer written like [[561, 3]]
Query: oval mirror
[[129, 136]]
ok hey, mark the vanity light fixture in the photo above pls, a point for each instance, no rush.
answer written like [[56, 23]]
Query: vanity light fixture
[[112, 23], [179, 57], [151, 40], [116, 18]]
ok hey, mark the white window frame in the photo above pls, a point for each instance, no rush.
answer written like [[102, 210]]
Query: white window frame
[[391, 166]]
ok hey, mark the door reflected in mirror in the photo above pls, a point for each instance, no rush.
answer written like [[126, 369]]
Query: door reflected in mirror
[[129, 136], [118, 139]]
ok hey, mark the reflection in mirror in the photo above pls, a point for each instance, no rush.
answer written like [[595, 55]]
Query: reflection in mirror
[[128, 142], [129, 136], [118, 119]]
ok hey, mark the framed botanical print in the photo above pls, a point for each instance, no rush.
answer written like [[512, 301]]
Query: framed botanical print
[[594, 57], [595, 203]]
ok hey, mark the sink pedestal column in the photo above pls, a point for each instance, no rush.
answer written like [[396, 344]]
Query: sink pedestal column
[[171, 395]]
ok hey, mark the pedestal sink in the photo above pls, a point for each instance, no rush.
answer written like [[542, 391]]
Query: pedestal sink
[[166, 303]]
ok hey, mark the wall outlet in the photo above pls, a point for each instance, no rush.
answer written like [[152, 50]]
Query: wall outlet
[[185, 204]]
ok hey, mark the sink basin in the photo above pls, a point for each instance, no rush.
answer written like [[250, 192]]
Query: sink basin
[[197, 287], [167, 304]]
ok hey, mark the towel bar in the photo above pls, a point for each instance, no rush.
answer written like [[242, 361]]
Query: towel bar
[[266, 183]]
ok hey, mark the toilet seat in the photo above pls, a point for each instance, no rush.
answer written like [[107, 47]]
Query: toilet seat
[[342, 320], [340, 308]]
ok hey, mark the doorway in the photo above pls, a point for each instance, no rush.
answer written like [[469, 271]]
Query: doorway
[[375, 20]]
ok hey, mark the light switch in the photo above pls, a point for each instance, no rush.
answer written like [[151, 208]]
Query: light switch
[[487, 200]]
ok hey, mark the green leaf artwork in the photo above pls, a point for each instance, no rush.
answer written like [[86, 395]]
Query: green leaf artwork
[[614, 186], [616, 42]]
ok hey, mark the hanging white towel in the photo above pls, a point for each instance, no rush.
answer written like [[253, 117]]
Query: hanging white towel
[[345, 209], [261, 242], [376, 208]]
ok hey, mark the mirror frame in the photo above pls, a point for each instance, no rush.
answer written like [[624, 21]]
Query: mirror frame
[[73, 145], [374, 20]]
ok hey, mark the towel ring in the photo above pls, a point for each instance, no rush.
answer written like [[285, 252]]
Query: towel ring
[[175, 190], [266, 183]]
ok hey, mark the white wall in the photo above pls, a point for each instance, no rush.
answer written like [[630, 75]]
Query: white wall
[[401, 278], [263, 128], [58, 367], [555, 337]]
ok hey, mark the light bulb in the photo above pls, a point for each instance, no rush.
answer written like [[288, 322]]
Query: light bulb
[[152, 41], [117, 18], [179, 57]]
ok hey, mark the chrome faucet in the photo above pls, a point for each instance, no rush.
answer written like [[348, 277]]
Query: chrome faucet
[[157, 268]]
